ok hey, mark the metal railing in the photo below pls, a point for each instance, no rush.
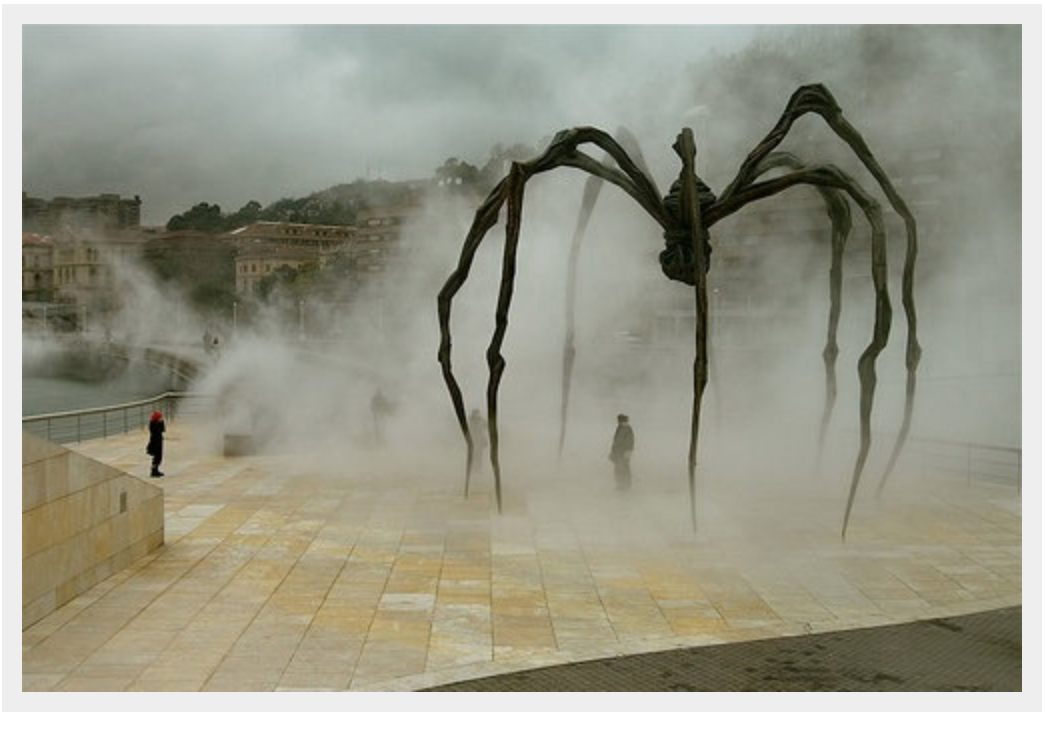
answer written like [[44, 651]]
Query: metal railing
[[975, 463], [67, 427], [971, 462]]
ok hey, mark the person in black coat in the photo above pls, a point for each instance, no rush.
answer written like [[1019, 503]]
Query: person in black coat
[[621, 453], [157, 427], [478, 429], [381, 409]]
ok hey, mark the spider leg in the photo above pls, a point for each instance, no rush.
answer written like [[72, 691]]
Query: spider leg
[[593, 186], [817, 99], [839, 212], [687, 151], [562, 152], [486, 217], [833, 177], [495, 360], [588, 202], [913, 351]]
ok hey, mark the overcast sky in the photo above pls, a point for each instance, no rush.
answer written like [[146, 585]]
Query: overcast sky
[[184, 114], [181, 114]]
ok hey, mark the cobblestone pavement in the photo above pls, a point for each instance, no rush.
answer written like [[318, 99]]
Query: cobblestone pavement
[[974, 652]]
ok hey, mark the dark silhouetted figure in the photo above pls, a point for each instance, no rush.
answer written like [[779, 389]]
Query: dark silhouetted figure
[[212, 344], [621, 453], [380, 408], [157, 427], [478, 429]]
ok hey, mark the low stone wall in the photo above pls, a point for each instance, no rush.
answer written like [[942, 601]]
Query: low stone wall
[[82, 521]]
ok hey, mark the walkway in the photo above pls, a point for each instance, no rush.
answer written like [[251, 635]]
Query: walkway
[[277, 576], [972, 652]]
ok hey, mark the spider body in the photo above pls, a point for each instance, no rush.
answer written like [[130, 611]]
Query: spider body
[[678, 257], [686, 214]]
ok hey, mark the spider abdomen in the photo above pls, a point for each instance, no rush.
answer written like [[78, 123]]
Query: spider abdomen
[[677, 258]]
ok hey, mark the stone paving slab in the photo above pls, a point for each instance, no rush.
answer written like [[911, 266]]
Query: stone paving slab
[[281, 574]]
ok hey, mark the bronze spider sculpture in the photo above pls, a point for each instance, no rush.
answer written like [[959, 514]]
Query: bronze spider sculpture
[[686, 214]]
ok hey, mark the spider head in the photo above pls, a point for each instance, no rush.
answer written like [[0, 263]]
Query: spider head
[[677, 258]]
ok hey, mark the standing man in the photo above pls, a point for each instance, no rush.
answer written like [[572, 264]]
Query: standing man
[[157, 427], [478, 430], [621, 453], [380, 409]]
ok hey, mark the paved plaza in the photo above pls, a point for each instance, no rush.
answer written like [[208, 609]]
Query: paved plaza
[[279, 575]]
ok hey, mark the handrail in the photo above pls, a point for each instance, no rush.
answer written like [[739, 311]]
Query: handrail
[[104, 421], [972, 460]]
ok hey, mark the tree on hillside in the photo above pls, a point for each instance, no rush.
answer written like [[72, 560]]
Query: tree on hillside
[[197, 264], [201, 217], [457, 174], [249, 214]]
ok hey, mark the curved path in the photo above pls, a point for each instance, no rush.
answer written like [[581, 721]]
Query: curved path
[[971, 652]]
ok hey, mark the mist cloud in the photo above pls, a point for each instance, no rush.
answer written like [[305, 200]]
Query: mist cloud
[[229, 114]]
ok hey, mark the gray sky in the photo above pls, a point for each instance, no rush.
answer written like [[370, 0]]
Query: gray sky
[[184, 114], [180, 114]]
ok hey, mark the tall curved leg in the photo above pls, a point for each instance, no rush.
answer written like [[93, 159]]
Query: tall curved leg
[[588, 202], [818, 100], [834, 178], [839, 214], [690, 206], [495, 360], [562, 152], [593, 187], [486, 217]]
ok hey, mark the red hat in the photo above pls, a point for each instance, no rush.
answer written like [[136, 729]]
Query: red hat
[[157, 415]]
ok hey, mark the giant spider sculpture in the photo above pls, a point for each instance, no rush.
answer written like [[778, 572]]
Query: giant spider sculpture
[[686, 214]]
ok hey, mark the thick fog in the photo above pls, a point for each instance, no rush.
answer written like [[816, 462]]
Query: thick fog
[[310, 397]]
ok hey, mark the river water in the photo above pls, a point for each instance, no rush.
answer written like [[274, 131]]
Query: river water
[[49, 395], [55, 381]]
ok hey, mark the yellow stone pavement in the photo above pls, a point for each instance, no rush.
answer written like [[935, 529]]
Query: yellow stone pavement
[[277, 576]]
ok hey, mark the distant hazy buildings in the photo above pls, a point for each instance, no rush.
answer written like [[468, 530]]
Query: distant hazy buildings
[[72, 250], [106, 211], [37, 268], [263, 247], [379, 240]]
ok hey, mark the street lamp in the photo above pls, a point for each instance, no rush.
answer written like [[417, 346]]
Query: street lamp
[[235, 304], [301, 320]]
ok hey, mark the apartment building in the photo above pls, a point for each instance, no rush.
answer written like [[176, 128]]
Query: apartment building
[[378, 244], [266, 246], [87, 264], [374, 246], [76, 272], [106, 211], [37, 268]]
